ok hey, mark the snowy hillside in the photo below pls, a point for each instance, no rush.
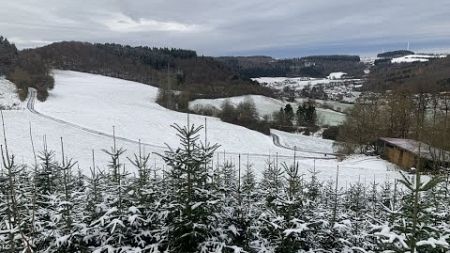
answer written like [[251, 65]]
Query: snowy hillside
[[264, 105], [100, 102], [302, 142], [267, 106], [83, 108], [336, 75], [416, 58]]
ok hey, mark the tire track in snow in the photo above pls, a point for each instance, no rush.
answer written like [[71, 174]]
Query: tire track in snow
[[276, 141]]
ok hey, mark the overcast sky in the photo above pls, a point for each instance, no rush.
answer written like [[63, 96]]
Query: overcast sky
[[281, 28]]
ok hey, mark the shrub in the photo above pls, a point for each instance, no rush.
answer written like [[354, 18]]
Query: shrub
[[23, 94], [42, 95], [331, 133]]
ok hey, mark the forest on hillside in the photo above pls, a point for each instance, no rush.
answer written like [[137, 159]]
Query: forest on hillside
[[310, 66], [169, 68], [182, 70]]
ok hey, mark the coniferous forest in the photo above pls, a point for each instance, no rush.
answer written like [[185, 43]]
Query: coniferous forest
[[197, 205]]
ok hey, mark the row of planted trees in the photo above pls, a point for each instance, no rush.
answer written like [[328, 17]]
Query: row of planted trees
[[193, 207]]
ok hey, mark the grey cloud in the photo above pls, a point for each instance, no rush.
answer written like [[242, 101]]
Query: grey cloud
[[280, 28]]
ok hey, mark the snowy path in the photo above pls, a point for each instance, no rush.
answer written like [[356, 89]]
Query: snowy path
[[276, 141]]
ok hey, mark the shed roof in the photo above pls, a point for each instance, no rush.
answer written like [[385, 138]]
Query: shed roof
[[413, 146]]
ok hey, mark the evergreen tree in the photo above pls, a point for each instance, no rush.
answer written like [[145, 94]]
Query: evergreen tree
[[191, 205]]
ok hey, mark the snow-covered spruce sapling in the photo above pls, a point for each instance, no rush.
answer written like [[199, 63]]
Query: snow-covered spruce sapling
[[272, 183], [141, 162], [191, 207], [291, 208], [418, 227]]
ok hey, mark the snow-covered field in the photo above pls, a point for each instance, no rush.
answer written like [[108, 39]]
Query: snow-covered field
[[98, 103], [267, 106], [305, 143], [264, 105], [417, 58], [335, 105], [336, 75]]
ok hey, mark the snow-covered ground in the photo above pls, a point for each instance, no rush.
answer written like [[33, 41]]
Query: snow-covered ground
[[335, 105], [97, 102], [304, 143], [417, 58], [267, 106], [8, 96], [336, 75], [264, 105]]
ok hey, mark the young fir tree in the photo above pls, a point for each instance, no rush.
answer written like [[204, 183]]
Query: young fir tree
[[148, 197], [294, 225], [270, 222], [191, 204]]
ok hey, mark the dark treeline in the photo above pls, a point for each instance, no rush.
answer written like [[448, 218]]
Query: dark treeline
[[25, 69], [393, 54], [311, 66], [351, 58], [196, 205]]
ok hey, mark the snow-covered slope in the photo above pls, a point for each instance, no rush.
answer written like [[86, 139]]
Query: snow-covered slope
[[416, 58], [264, 105], [304, 143], [336, 75], [100, 102], [97, 103], [267, 106]]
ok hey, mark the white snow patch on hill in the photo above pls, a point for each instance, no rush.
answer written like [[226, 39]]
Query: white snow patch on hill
[[416, 58], [336, 75], [264, 105]]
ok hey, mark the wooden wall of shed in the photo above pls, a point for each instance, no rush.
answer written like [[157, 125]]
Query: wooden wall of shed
[[400, 157]]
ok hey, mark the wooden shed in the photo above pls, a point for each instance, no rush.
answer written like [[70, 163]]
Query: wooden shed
[[407, 153]]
